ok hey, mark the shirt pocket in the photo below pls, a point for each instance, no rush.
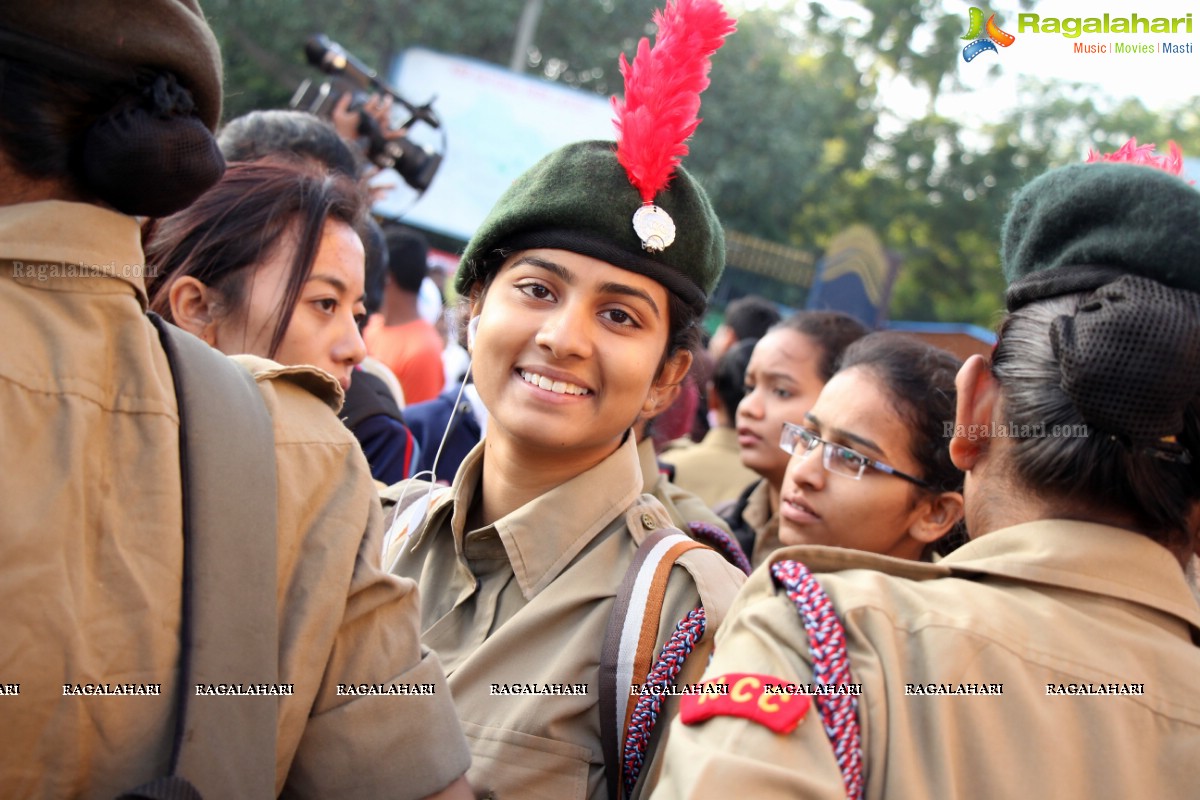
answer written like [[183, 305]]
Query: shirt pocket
[[513, 765]]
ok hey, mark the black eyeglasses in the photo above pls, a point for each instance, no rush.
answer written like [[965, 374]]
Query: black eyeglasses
[[838, 459]]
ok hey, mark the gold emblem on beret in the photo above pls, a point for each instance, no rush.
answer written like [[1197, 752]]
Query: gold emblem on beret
[[654, 227]]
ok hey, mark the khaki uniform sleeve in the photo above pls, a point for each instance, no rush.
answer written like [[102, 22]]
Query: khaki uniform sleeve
[[733, 757], [406, 745], [372, 716]]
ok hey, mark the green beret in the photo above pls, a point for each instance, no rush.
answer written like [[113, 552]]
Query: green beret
[[171, 35], [1079, 227], [579, 198]]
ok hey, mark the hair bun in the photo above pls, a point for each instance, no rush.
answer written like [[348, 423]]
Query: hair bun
[[151, 157], [1130, 358]]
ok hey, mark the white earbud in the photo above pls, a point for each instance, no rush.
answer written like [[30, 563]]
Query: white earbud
[[472, 329]]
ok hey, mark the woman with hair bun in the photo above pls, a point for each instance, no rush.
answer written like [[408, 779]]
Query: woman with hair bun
[[144, 552], [1056, 653]]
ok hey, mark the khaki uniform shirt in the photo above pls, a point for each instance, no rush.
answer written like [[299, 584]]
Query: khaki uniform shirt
[[765, 523], [711, 469], [91, 522], [1089, 633], [681, 505], [524, 603]]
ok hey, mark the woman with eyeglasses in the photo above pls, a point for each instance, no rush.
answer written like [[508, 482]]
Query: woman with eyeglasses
[[787, 370], [1053, 655], [882, 480]]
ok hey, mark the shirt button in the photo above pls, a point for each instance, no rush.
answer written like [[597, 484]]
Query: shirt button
[[648, 522]]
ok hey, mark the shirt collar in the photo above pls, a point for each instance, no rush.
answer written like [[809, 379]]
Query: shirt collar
[[1085, 556], [59, 240], [544, 536], [647, 464], [757, 513]]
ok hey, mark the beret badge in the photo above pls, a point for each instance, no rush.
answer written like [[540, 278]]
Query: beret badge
[[654, 227]]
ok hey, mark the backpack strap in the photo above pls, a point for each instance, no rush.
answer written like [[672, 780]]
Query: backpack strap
[[224, 744], [173, 787], [831, 667], [629, 643]]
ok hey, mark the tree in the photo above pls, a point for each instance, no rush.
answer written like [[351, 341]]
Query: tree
[[949, 228], [782, 124]]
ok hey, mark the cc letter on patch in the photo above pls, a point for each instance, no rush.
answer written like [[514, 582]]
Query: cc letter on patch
[[764, 699]]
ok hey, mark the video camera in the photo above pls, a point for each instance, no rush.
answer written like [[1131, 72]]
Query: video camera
[[416, 164]]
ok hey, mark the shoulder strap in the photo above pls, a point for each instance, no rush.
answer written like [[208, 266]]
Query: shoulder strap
[[223, 744], [683, 640], [629, 642], [831, 667]]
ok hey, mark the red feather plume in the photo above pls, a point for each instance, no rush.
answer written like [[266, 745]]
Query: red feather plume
[[1132, 153], [662, 91]]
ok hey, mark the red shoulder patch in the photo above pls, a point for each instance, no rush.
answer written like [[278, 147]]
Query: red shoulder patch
[[764, 699]]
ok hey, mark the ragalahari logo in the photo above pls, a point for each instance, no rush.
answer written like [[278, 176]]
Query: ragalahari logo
[[976, 29]]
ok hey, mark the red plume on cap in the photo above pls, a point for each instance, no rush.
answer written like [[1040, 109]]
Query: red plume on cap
[[662, 97], [1132, 153]]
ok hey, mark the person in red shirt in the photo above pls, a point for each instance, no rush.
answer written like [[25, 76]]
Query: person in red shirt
[[399, 337]]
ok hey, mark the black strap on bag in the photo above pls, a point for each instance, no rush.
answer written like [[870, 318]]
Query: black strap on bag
[[170, 788], [223, 745]]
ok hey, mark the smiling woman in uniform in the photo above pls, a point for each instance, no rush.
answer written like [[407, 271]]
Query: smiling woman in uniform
[[582, 323]]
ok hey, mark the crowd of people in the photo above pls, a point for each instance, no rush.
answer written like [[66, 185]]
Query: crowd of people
[[285, 516]]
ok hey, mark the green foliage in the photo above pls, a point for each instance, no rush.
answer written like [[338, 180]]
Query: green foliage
[[262, 40], [781, 126], [951, 242]]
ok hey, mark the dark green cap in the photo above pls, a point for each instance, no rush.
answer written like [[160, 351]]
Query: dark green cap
[[579, 198], [1080, 227]]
